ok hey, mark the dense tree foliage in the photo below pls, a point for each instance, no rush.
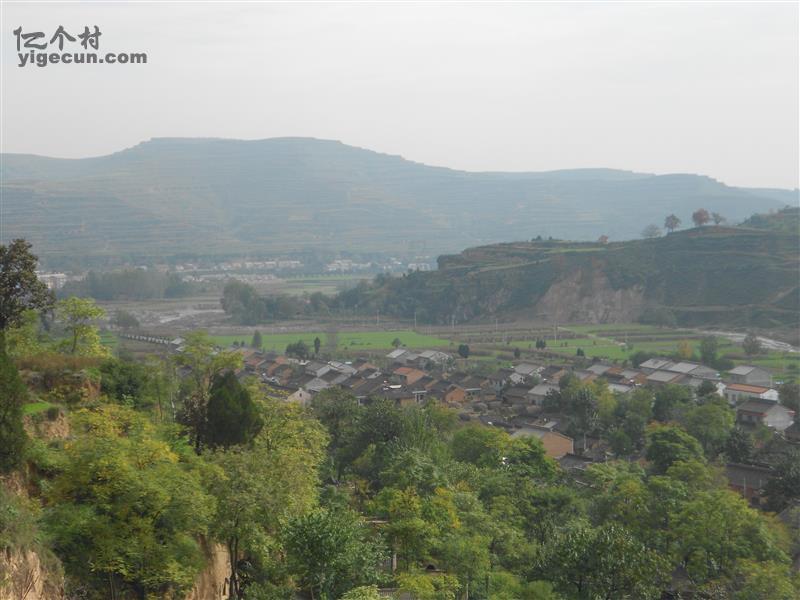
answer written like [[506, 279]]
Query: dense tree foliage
[[130, 284], [20, 288]]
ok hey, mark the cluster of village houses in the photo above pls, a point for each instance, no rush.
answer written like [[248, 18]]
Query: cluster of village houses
[[514, 397]]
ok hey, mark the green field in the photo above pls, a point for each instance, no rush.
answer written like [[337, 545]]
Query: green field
[[353, 340]]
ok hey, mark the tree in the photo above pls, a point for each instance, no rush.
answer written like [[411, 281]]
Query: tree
[[651, 231], [126, 510], [317, 345], [396, 342], [257, 342], [604, 563], [13, 394], [671, 223], [580, 352], [332, 550], [715, 529], [707, 388], [700, 217], [711, 424], [668, 444], [685, 349], [20, 288], [708, 349], [258, 486], [78, 315], [298, 350], [739, 446], [463, 350], [668, 399], [232, 417], [751, 344], [717, 218], [517, 353], [789, 395], [784, 487], [125, 320], [203, 364]]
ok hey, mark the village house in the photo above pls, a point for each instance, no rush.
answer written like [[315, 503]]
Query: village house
[[749, 375], [765, 412], [540, 392], [740, 392], [748, 480], [407, 375]]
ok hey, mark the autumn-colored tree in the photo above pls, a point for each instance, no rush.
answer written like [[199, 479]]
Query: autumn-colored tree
[[671, 223], [700, 217]]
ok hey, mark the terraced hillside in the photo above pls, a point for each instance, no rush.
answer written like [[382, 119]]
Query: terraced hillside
[[212, 197], [737, 277]]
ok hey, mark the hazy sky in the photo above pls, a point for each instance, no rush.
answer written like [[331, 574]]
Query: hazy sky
[[702, 88]]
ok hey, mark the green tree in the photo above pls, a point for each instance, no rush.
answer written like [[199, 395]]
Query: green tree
[[331, 551], [709, 346], [606, 563], [739, 446], [13, 394], [257, 342], [365, 592], [751, 344], [765, 581], [126, 511], [789, 395], [715, 529], [668, 399], [711, 423], [202, 363], [232, 417], [299, 350], [396, 342], [668, 444], [317, 345], [125, 320], [77, 316], [23, 338], [20, 288], [784, 487], [258, 486], [463, 350]]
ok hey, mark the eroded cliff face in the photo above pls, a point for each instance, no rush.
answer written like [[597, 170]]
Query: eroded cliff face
[[24, 577], [212, 582], [586, 296]]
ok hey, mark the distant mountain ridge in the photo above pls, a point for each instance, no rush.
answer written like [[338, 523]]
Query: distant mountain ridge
[[219, 197]]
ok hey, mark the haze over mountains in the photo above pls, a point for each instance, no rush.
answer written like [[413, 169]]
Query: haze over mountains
[[216, 197]]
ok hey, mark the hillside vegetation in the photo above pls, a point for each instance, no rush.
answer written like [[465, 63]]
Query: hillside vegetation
[[213, 197], [706, 276]]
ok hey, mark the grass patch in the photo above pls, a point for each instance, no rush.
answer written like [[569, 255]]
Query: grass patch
[[35, 407]]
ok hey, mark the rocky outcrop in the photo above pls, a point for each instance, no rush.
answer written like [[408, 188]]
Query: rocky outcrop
[[23, 576], [212, 582], [587, 296]]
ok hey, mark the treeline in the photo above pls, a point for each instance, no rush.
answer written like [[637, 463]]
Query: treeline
[[404, 296], [130, 284], [247, 307]]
